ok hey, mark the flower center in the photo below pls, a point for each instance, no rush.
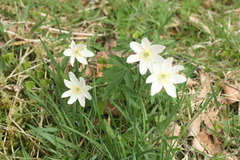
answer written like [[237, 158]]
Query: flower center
[[146, 54], [77, 51], [164, 77], [76, 89]]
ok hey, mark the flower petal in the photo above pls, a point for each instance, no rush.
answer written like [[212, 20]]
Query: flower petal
[[72, 99], [82, 60], [155, 49], [87, 87], [82, 81], [68, 83], [87, 95], [176, 69], [133, 58], [176, 79], [167, 64], [81, 100], [72, 44], [152, 78], [72, 60], [158, 59], [67, 94], [136, 47], [170, 89], [156, 68], [143, 66], [145, 43], [73, 78], [155, 88], [87, 53], [67, 52]]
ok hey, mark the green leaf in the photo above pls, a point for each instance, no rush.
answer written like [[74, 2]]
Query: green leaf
[[29, 85]]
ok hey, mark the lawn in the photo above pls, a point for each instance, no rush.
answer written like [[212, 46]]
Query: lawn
[[121, 108]]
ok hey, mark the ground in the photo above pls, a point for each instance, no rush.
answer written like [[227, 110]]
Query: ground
[[122, 121]]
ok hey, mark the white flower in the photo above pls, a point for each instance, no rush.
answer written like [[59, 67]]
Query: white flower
[[78, 90], [147, 54], [165, 75], [79, 52]]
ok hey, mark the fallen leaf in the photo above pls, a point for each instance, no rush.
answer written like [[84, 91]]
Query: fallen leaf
[[208, 3], [207, 143], [173, 130], [232, 94], [205, 81], [191, 83]]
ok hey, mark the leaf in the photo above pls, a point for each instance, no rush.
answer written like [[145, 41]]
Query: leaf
[[206, 85], [232, 95], [29, 85], [36, 26]]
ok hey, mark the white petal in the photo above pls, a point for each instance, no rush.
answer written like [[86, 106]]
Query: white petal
[[87, 87], [150, 66], [136, 47], [176, 69], [155, 88], [155, 49], [67, 52], [152, 78], [72, 59], [82, 81], [68, 83], [82, 60], [133, 58], [87, 95], [145, 43], [157, 68], [67, 94], [170, 89], [176, 78], [143, 66], [72, 44], [158, 59], [87, 53], [167, 64], [72, 99], [73, 78], [81, 100]]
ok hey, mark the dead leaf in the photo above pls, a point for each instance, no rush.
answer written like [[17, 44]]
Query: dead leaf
[[112, 109], [232, 94], [173, 130], [100, 69], [194, 127], [209, 118], [191, 83], [205, 81], [207, 143], [208, 3], [2, 44], [203, 138]]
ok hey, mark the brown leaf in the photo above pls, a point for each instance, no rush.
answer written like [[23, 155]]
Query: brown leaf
[[194, 127], [207, 143], [112, 109], [232, 94], [191, 83], [173, 130], [2, 44], [205, 81], [208, 3]]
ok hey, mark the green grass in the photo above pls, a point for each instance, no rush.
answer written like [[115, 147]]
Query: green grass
[[35, 122]]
